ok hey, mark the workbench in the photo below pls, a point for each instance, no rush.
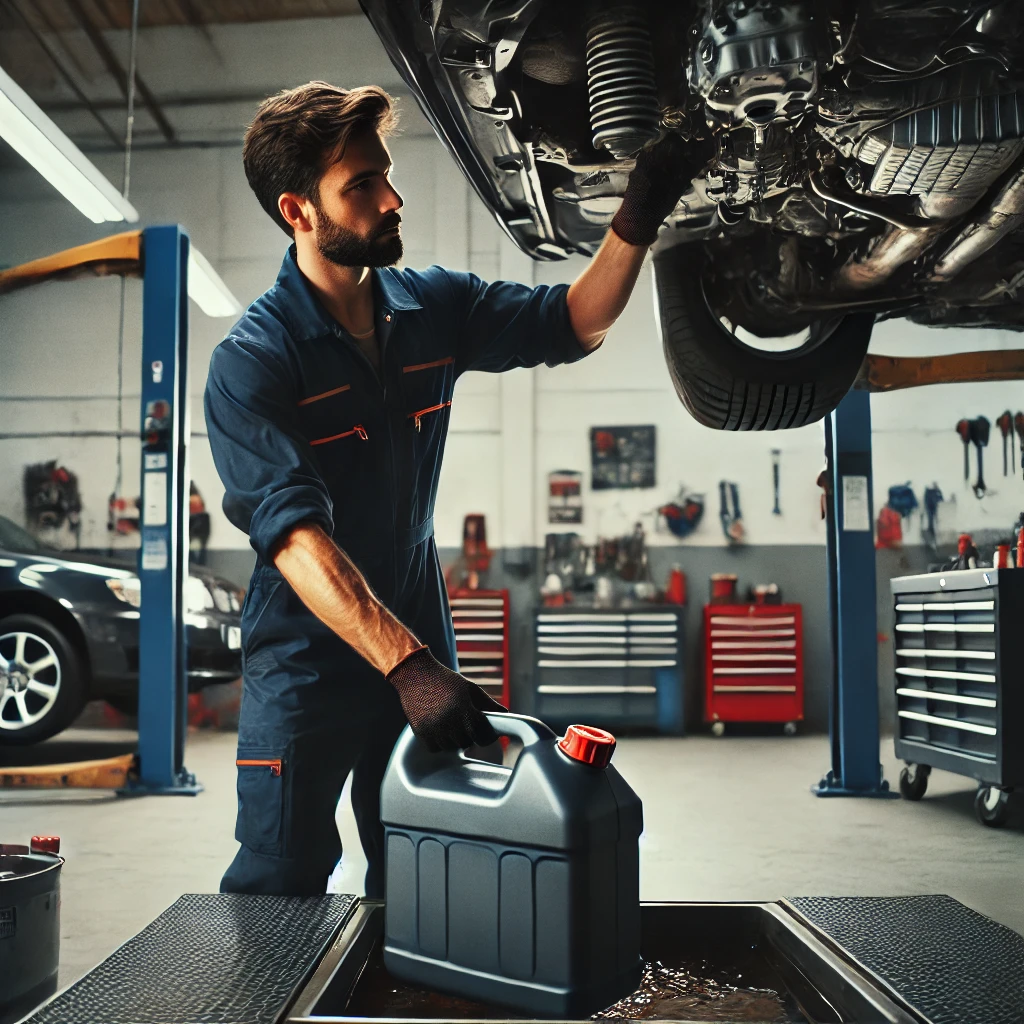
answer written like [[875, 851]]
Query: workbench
[[228, 959]]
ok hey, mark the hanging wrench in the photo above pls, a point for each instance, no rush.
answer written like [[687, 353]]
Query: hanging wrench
[[776, 452], [979, 434]]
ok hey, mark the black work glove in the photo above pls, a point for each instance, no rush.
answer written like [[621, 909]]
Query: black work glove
[[444, 708], [664, 171]]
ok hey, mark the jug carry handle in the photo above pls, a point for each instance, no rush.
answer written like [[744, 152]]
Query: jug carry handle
[[520, 727], [412, 760]]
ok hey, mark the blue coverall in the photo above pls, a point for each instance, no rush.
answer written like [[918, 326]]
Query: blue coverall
[[303, 430]]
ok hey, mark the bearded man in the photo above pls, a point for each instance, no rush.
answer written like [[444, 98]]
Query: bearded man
[[327, 407]]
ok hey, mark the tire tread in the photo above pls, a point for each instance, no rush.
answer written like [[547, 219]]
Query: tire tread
[[729, 386]]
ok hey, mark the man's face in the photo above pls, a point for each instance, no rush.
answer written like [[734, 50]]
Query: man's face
[[356, 220]]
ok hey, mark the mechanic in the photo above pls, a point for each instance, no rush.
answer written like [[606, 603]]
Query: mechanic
[[327, 407]]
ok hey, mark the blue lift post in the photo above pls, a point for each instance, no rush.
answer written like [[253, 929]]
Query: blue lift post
[[163, 558], [850, 550]]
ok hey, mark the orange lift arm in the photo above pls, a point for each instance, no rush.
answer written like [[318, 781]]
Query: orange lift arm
[[116, 254], [894, 373]]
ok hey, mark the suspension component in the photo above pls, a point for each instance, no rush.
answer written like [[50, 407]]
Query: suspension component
[[624, 110]]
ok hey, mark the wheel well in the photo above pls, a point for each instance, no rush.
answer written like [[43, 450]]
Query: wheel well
[[21, 603]]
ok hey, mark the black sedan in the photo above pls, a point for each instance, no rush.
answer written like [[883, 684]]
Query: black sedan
[[69, 633]]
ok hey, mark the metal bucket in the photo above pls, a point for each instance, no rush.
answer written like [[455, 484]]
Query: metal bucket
[[29, 930]]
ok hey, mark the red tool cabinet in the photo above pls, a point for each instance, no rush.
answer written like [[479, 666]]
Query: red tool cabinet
[[753, 664], [481, 639]]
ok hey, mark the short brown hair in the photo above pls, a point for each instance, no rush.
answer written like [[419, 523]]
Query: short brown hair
[[297, 134]]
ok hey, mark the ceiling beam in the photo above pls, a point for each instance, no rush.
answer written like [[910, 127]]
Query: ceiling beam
[[119, 74], [84, 100]]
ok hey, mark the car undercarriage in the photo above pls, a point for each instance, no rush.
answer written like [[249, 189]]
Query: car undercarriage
[[858, 159]]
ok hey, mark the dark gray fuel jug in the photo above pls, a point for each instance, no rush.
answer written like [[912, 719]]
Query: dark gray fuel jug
[[517, 885]]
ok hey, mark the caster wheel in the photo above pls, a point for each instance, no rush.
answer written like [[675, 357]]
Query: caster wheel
[[789, 729], [718, 729], [992, 806], [914, 781]]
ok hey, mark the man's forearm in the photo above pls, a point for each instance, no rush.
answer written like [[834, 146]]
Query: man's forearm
[[336, 592], [600, 293]]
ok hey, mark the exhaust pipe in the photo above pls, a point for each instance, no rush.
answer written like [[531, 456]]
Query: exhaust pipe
[[1005, 215], [903, 244]]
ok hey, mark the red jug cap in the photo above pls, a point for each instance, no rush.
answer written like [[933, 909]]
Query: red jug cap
[[45, 844], [587, 744]]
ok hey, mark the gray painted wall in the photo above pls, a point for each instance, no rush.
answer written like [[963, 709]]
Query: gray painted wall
[[798, 570]]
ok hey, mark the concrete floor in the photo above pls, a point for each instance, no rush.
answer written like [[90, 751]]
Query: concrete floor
[[729, 819]]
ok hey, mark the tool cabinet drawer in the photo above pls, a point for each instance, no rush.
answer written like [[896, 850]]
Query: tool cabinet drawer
[[480, 618], [612, 668], [957, 648]]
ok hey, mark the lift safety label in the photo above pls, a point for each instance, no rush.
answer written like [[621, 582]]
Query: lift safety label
[[154, 491], [154, 553], [856, 508], [8, 924]]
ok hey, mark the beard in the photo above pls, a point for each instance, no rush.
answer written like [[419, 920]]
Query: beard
[[348, 249]]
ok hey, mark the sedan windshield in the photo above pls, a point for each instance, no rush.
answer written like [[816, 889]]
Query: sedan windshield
[[14, 538]]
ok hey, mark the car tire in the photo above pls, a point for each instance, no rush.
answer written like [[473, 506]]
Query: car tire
[[42, 714], [728, 385]]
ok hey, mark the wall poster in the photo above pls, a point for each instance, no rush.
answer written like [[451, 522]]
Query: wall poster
[[622, 457], [565, 496]]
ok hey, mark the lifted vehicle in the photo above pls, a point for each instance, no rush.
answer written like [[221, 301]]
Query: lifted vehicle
[[69, 633], [861, 159]]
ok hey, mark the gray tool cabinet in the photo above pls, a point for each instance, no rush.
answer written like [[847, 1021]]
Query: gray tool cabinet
[[958, 644], [622, 667]]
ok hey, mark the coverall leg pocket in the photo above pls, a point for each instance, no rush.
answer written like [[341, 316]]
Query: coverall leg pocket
[[263, 803]]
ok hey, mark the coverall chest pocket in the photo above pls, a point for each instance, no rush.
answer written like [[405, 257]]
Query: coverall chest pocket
[[263, 804], [334, 425], [428, 387], [331, 416]]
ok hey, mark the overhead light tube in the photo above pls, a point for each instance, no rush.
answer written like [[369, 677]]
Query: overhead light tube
[[31, 134], [206, 288]]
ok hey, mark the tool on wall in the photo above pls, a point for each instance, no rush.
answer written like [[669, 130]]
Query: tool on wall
[[902, 502], [889, 528], [1018, 425], [52, 498], [963, 428], [979, 434], [902, 499], [932, 499], [683, 515], [776, 453], [729, 513], [1005, 425], [631, 563]]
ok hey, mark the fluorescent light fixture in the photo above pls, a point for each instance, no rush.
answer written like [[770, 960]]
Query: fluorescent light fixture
[[33, 135], [206, 288]]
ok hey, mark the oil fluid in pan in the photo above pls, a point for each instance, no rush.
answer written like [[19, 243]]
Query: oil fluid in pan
[[688, 993], [520, 885]]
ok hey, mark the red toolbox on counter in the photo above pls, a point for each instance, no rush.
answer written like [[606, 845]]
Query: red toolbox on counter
[[753, 664]]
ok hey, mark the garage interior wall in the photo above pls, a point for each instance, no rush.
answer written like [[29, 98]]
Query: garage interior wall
[[58, 367]]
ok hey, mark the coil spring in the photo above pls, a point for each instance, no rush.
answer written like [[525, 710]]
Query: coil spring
[[624, 110]]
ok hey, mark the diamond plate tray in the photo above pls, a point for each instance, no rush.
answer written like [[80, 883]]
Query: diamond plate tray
[[946, 962], [207, 959]]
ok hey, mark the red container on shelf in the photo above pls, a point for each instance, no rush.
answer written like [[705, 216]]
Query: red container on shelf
[[723, 587], [753, 663]]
